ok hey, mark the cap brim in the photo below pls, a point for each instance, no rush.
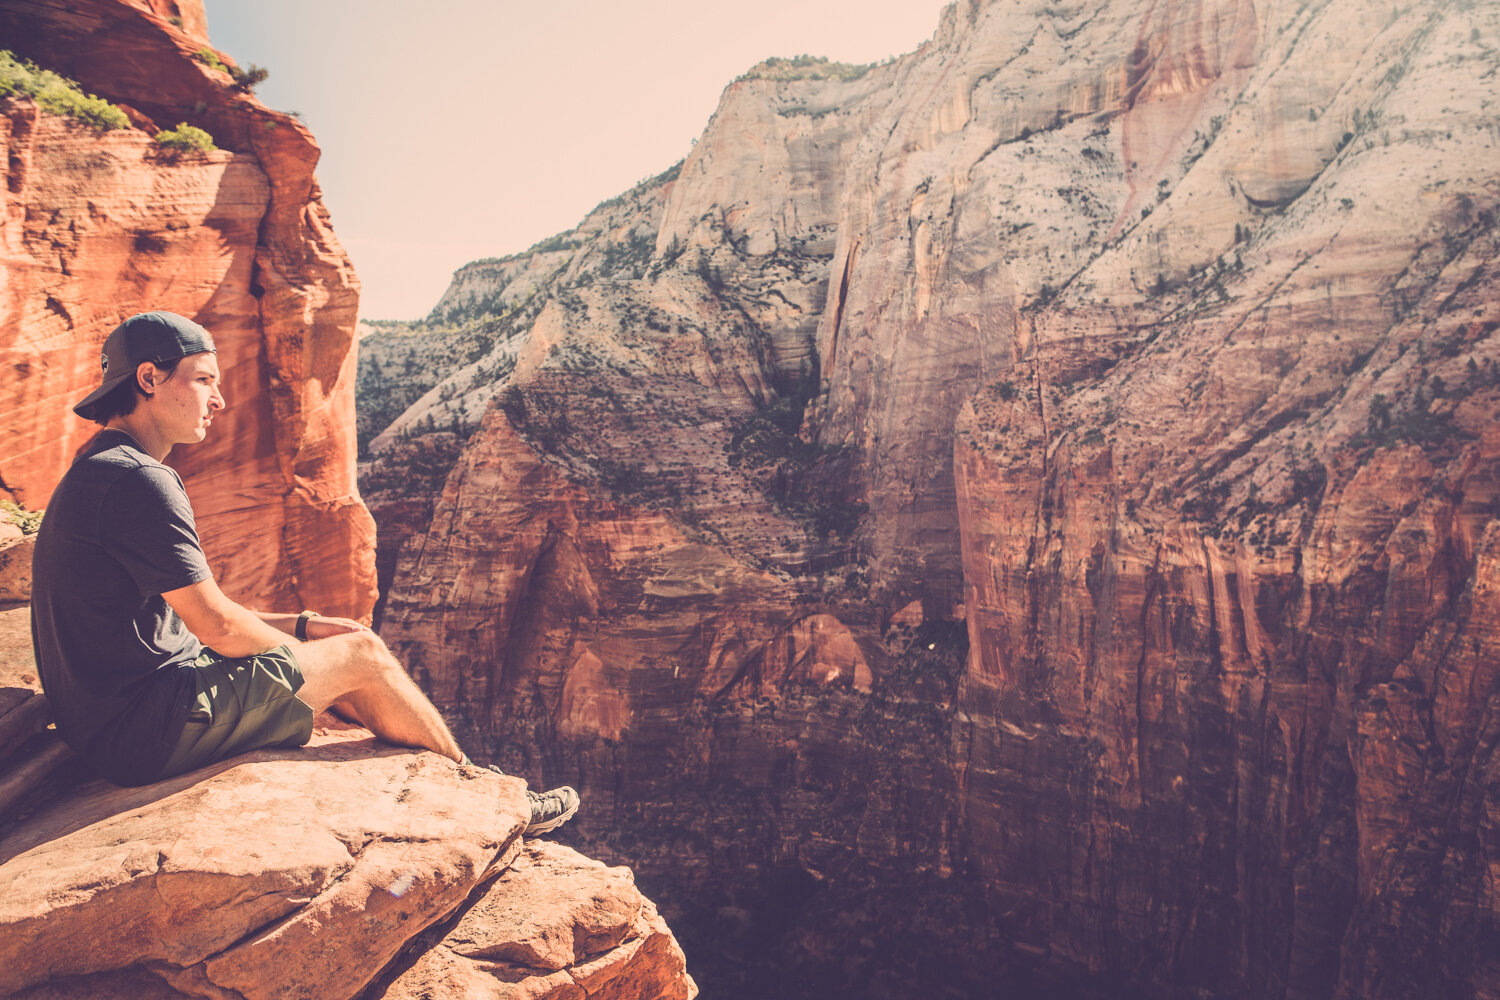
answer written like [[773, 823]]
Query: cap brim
[[85, 407]]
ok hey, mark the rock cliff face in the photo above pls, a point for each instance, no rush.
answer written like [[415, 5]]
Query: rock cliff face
[[100, 225], [1051, 476]]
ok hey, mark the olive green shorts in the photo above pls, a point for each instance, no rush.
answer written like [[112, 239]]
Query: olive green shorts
[[241, 705]]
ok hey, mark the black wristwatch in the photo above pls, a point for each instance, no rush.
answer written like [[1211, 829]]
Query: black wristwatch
[[302, 621]]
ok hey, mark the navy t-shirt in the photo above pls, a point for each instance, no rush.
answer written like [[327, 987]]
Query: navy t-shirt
[[112, 654]]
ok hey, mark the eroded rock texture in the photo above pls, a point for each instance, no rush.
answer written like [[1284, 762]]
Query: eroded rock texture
[[100, 225], [554, 924], [1042, 486], [329, 871]]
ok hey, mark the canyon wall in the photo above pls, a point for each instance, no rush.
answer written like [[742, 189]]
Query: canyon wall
[[1048, 478], [99, 225]]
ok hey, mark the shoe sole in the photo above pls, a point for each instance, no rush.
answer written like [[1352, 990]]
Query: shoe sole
[[548, 826]]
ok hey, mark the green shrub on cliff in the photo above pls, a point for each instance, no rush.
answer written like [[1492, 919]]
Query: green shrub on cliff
[[210, 58], [27, 520], [187, 138], [245, 80], [57, 94], [805, 67]]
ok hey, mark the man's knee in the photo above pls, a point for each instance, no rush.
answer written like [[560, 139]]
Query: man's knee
[[343, 665], [352, 653], [372, 655]]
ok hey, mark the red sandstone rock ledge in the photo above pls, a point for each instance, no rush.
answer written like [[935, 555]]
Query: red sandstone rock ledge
[[321, 872]]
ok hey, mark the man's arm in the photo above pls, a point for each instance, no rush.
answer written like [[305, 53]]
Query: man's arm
[[228, 628], [280, 622], [318, 626]]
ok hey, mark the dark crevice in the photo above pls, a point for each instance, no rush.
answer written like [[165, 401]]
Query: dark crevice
[[843, 294]]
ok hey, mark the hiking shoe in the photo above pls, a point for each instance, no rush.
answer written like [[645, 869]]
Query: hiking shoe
[[550, 810]]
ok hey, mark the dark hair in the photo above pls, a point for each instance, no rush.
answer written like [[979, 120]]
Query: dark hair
[[120, 401]]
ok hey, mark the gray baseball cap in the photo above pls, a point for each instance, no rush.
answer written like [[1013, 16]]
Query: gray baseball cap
[[157, 337]]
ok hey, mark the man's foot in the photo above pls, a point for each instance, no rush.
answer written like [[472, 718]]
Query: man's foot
[[550, 810]]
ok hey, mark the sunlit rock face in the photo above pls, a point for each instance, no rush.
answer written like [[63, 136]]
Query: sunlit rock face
[[1057, 465], [101, 225], [343, 869]]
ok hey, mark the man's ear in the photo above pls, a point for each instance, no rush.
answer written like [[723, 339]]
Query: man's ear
[[146, 376]]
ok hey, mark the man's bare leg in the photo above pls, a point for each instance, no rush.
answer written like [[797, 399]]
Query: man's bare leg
[[357, 676], [345, 711], [356, 673]]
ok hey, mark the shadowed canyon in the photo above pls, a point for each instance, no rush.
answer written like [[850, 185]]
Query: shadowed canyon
[[1014, 520]]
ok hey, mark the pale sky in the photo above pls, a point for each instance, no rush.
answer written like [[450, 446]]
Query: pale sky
[[460, 129]]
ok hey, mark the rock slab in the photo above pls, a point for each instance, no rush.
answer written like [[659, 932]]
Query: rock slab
[[15, 567], [281, 873], [555, 925], [298, 873]]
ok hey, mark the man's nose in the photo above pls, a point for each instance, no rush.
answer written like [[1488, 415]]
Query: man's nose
[[217, 399]]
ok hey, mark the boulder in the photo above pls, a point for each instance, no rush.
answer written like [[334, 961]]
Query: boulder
[[280, 873], [315, 872], [556, 924], [15, 565]]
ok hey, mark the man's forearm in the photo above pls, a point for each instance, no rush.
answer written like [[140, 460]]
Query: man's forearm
[[228, 628], [242, 632], [277, 620], [318, 626]]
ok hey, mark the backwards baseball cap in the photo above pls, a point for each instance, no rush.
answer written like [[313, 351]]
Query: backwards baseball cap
[[158, 337]]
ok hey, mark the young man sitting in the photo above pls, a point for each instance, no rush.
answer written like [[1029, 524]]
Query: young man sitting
[[150, 669]]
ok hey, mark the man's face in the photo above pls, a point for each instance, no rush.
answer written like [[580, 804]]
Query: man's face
[[185, 403]]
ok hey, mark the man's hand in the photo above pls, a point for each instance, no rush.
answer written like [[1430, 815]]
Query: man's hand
[[322, 628]]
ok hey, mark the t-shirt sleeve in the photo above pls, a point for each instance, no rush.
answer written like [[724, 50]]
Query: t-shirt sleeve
[[147, 524]]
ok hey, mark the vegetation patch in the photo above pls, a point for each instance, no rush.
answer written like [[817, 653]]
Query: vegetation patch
[[245, 80], [57, 94], [805, 67], [399, 361], [29, 521], [631, 255], [641, 187], [1207, 506], [805, 479], [186, 138], [554, 244], [1416, 424], [415, 465], [210, 58]]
